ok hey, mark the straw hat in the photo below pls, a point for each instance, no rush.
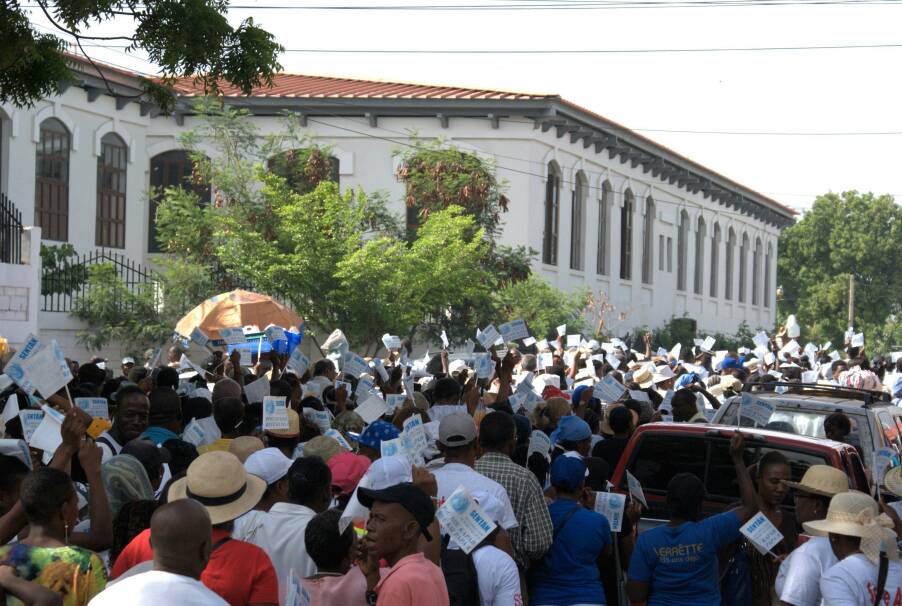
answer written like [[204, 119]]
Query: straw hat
[[892, 480], [294, 426], [822, 480], [855, 514], [219, 482], [644, 378], [244, 446]]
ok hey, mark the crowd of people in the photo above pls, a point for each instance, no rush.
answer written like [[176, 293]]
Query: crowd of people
[[194, 491]]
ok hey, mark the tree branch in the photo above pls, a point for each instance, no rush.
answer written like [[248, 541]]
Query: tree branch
[[42, 4]]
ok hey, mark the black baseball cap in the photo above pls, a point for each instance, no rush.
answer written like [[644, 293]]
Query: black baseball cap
[[408, 496]]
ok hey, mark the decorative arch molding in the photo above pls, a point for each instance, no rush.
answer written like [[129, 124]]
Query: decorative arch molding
[[627, 185], [551, 156], [113, 126], [55, 110], [12, 114]]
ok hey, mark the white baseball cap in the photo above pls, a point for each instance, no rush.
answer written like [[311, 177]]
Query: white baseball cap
[[269, 464], [128, 360]]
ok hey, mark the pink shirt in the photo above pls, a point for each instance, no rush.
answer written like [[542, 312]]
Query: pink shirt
[[413, 581], [348, 589]]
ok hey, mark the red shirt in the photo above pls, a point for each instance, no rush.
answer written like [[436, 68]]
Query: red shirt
[[239, 572]]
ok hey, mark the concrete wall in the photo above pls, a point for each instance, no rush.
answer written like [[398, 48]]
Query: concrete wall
[[20, 290], [368, 159]]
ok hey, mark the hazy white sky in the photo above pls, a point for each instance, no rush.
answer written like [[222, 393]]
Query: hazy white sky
[[817, 91]]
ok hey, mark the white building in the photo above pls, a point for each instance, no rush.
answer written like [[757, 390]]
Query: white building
[[657, 234]]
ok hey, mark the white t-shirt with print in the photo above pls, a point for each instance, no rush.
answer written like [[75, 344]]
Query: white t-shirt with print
[[851, 581], [800, 573], [451, 475], [157, 587], [499, 579]]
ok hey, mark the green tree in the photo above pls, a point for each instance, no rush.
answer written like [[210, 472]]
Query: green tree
[[339, 259], [841, 235], [190, 38], [542, 306]]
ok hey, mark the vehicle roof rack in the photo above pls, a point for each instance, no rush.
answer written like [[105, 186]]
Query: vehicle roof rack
[[812, 389]]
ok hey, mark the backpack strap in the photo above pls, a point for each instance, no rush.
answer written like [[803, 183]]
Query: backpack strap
[[566, 519], [881, 578]]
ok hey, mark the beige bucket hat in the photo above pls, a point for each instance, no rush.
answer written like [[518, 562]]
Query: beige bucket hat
[[822, 480], [855, 514], [218, 481]]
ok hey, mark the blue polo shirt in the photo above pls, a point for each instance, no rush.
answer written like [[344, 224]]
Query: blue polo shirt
[[680, 563], [568, 574]]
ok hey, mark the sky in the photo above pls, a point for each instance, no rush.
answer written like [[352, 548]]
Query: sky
[[790, 124]]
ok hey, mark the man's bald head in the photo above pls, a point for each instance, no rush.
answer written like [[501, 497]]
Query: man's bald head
[[180, 538], [226, 388]]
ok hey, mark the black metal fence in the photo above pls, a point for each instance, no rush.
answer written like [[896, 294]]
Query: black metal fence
[[64, 284], [10, 232]]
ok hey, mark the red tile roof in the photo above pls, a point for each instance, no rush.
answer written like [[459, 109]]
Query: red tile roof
[[321, 87]]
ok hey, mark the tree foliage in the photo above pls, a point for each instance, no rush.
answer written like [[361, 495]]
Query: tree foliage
[[437, 176], [339, 259], [190, 38], [543, 306], [842, 235]]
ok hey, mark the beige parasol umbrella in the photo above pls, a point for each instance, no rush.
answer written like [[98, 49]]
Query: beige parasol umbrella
[[237, 308]]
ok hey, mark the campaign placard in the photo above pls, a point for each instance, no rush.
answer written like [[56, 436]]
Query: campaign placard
[[462, 518], [275, 413]]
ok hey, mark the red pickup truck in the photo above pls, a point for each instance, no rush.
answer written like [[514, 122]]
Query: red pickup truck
[[658, 451]]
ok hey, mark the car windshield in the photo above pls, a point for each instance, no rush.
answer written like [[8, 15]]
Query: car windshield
[[800, 422]]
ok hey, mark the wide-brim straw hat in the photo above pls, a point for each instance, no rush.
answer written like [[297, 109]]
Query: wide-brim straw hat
[[822, 480], [855, 514], [892, 480], [606, 420], [218, 481]]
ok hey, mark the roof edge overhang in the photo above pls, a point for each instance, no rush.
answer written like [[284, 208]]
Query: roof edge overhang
[[566, 119]]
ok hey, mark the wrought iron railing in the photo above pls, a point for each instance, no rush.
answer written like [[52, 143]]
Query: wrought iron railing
[[11, 231]]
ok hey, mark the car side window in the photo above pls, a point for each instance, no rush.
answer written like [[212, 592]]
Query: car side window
[[658, 457], [721, 482], [888, 427]]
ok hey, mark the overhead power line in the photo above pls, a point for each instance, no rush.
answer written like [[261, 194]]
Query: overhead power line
[[535, 51]]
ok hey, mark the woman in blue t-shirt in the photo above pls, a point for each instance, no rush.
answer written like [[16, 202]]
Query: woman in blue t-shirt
[[568, 574], [676, 564]]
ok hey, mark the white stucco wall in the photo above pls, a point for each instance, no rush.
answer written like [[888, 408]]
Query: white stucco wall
[[367, 158]]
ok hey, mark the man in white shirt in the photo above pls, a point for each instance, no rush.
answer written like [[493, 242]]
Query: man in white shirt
[[446, 395], [280, 532], [181, 541], [800, 573], [457, 442]]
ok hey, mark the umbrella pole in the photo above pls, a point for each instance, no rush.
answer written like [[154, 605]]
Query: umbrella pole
[[315, 342]]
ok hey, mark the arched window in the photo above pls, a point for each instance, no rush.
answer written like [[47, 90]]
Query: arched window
[[743, 267], [756, 272], [626, 236], [648, 240], [552, 210], [715, 260], [682, 248], [51, 187], [768, 259], [604, 203], [109, 228], [293, 165], [728, 274], [700, 234], [578, 221], [170, 169]]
